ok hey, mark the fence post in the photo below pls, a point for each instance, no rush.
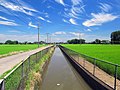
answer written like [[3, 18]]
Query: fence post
[[22, 69], [115, 76], [41, 54], [94, 66], [29, 62], [84, 62], [36, 58]]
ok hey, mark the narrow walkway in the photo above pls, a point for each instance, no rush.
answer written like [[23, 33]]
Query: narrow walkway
[[60, 75], [9, 62]]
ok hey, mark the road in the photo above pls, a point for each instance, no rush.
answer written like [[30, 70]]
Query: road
[[60, 75], [9, 62]]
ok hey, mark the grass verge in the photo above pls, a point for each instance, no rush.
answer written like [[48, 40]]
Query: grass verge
[[35, 74], [8, 50]]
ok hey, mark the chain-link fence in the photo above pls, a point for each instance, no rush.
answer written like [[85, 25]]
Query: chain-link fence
[[106, 72], [13, 80]]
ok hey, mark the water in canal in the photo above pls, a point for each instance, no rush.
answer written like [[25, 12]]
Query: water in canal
[[60, 75]]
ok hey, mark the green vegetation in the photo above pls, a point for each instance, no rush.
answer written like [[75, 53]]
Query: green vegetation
[[7, 49], [115, 37], [4, 74], [109, 53], [38, 68], [29, 68]]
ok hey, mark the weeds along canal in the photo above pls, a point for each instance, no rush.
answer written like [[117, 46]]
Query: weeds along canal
[[60, 75]]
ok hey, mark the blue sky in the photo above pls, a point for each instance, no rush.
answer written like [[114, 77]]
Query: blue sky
[[62, 19]]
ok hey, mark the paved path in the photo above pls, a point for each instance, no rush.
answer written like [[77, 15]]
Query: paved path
[[9, 62]]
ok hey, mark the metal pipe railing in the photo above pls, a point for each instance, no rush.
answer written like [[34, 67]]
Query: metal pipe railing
[[94, 62], [22, 70]]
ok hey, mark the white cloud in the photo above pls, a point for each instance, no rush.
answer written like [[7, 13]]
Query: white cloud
[[76, 9], [3, 18], [41, 18], [89, 30], [76, 2], [48, 21], [60, 2], [72, 21], [105, 7], [76, 34], [44, 19], [71, 15], [62, 36], [30, 9], [65, 21], [21, 38], [8, 23], [18, 8], [31, 25], [59, 33], [14, 31], [59, 36], [99, 19]]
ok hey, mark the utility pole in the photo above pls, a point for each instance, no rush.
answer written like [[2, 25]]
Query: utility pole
[[47, 37], [50, 39], [79, 38], [38, 35]]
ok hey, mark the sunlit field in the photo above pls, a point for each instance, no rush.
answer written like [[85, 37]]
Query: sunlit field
[[110, 53], [5, 49]]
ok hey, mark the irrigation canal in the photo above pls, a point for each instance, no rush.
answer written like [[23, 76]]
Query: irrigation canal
[[60, 75]]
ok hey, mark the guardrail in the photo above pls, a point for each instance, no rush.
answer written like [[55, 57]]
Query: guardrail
[[96, 67], [13, 80]]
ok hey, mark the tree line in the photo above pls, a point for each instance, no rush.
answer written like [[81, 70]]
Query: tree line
[[17, 42], [115, 39]]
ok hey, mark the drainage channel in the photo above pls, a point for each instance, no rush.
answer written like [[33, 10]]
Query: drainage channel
[[60, 75]]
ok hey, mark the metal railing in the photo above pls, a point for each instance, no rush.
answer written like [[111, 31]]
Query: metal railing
[[97, 67], [13, 80]]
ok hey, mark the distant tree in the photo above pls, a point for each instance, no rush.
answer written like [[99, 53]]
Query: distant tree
[[97, 41], [115, 37], [76, 41], [15, 42], [25, 42], [1, 43], [29, 43], [93, 42], [82, 41], [9, 42], [42, 42]]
